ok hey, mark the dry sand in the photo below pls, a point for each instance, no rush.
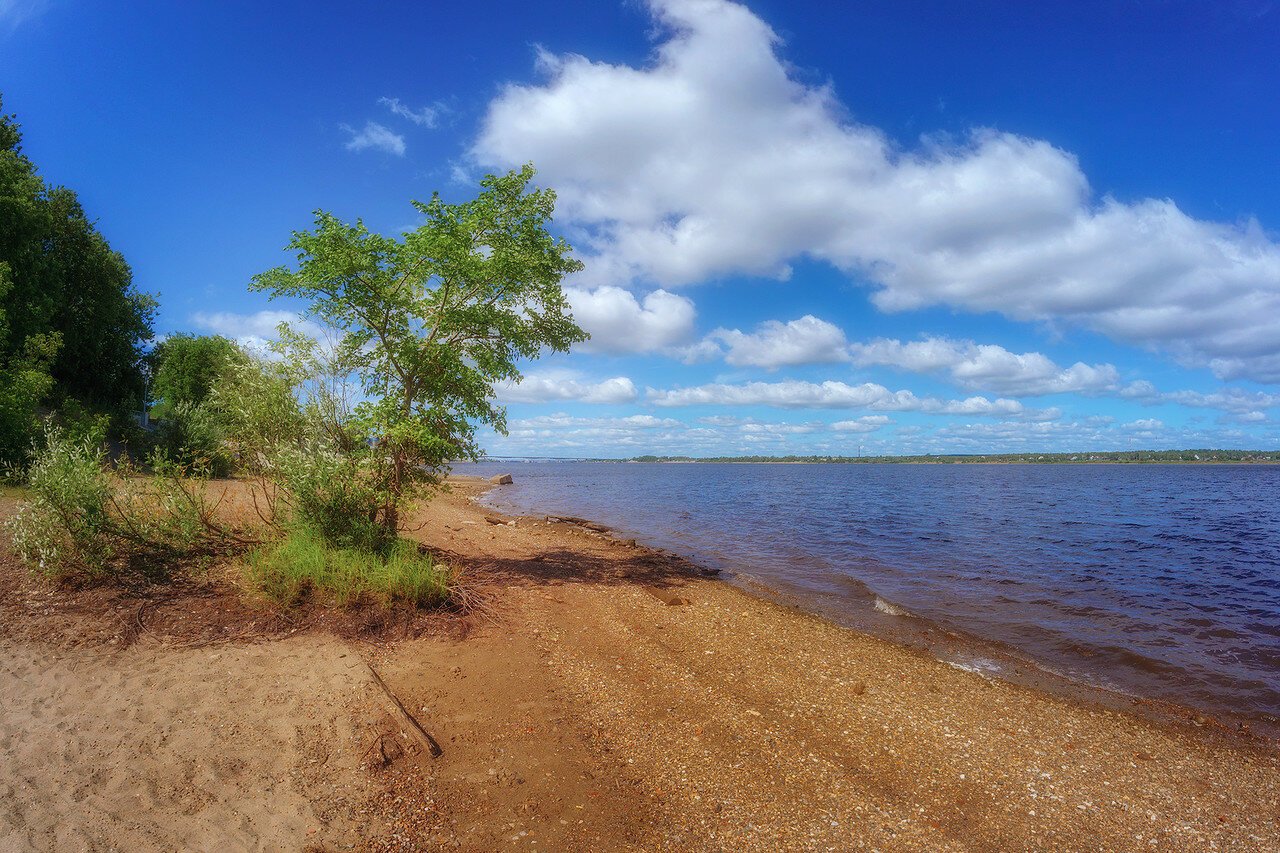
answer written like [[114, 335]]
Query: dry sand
[[611, 699], [239, 747]]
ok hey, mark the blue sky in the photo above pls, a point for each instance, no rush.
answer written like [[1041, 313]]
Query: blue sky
[[886, 227]]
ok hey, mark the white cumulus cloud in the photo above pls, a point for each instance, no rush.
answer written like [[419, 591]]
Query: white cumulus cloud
[[1227, 399], [797, 394], [619, 322], [775, 344], [987, 366], [789, 394], [1145, 424], [257, 329], [564, 421], [565, 385], [712, 159], [870, 423]]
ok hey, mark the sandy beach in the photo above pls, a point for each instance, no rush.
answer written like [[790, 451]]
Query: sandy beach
[[607, 697]]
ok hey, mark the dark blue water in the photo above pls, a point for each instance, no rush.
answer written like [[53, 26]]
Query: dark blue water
[[1161, 581]]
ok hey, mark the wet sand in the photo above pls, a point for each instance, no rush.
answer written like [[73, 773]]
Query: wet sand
[[610, 698]]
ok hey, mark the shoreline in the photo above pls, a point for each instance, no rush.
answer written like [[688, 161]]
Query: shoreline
[[918, 634], [974, 653]]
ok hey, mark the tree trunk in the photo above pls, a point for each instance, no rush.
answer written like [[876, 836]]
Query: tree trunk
[[395, 488]]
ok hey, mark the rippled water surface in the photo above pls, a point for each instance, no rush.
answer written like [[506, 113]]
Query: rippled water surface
[[1157, 580]]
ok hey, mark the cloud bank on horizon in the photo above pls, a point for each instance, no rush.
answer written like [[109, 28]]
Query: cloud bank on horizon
[[712, 160]]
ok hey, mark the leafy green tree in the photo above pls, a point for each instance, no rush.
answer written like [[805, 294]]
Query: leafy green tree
[[65, 280], [186, 368], [24, 383], [429, 322]]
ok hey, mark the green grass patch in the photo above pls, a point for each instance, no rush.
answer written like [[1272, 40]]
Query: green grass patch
[[301, 565]]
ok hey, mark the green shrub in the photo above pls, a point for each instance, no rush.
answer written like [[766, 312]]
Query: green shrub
[[192, 437], [82, 518], [334, 495], [256, 403], [302, 565], [78, 423], [187, 368], [64, 525], [165, 512]]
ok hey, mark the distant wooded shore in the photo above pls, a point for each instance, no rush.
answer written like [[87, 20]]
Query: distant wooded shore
[[1128, 457], [1237, 457]]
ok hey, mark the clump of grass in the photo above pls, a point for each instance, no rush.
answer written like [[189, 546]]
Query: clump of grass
[[302, 565]]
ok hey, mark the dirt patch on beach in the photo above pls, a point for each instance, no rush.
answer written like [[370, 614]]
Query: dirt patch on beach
[[605, 697]]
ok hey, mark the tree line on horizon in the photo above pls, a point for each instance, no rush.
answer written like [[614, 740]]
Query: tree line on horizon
[[1117, 456]]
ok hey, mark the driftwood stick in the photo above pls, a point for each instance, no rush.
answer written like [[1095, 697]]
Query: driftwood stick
[[423, 735]]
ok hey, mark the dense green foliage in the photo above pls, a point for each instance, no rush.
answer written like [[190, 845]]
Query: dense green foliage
[[194, 437], [25, 382], [185, 369], [260, 413], [68, 308], [425, 325], [331, 492], [191, 429]]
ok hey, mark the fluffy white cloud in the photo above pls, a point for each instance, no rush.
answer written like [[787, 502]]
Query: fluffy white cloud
[[870, 423], [254, 330], [988, 366], [425, 117], [795, 394], [774, 344], [618, 322], [789, 394], [1145, 425], [981, 406], [561, 420], [778, 429], [561, 433], [712, 160], [1017, 437], [375, 136], [1233, 400], [564, 385]]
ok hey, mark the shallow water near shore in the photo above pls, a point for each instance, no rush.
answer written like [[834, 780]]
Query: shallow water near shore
[[1159, 581]]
